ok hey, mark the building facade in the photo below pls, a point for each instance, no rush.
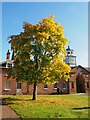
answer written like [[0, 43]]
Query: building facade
[[79, 81]]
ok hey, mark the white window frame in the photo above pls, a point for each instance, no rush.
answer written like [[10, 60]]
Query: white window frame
[[86, 76], [54, 86], [72, 75], [6, 74], [9, 65], [7, 88], [45, 87], [19, 83]]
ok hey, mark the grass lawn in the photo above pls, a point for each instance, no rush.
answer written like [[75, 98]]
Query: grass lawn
[[49, 106]]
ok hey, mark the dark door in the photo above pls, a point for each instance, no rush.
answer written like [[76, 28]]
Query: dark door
[[80, 82]]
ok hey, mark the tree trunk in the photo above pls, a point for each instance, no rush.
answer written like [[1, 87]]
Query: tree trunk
[[35, 91], [35, 83]]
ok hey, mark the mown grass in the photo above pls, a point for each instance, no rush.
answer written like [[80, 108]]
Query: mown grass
[[49, 106]]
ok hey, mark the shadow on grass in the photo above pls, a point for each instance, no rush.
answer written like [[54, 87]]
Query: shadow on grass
[[81, 108], [8, 101]]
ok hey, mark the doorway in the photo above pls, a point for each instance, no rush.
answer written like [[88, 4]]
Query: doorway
[[19, 87], [80, 84]]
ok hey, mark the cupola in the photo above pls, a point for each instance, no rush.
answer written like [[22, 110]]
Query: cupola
[[70, 58]]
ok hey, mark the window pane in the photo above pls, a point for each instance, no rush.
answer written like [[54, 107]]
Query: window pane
[[18, 85], [55, 85], [45, 86], [9, 65], [7, 85], [68, 52], [64, 85]]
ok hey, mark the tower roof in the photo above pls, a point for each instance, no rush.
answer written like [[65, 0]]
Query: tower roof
[[68, 49]]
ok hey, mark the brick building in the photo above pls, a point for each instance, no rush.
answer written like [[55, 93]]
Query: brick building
[[79, 81]]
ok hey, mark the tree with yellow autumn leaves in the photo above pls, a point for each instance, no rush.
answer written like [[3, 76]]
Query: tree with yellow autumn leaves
[[39, 52]]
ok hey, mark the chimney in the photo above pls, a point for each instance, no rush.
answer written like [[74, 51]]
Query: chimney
[[8, 55]]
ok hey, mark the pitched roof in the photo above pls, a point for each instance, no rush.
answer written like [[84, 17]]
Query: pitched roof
[[85, 70]]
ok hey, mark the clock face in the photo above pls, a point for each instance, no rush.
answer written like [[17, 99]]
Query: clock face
[[72, 60]]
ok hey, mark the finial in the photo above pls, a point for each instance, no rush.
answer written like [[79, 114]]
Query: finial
[[68, 47]]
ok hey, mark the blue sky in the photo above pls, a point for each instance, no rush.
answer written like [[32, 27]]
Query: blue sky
[[73, 16]]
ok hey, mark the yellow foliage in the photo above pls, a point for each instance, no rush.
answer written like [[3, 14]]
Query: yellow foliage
[[44, 43]]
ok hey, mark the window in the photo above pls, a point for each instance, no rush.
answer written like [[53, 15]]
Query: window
[[71, 52], [9, 65], [72, 84], [7, 85], [79, 69], [64, 85], [86, 76], [87, 84], [45, 86], [71, 75], [55, 86], [68, 52], [6, 74], [18, 85]]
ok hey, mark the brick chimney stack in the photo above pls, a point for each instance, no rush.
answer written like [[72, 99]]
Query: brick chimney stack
[[8, 55]]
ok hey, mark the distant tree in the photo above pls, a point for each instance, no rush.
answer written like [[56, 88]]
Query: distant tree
[[39, 52]]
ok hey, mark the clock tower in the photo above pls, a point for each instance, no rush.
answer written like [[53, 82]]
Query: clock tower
[[70, 58]]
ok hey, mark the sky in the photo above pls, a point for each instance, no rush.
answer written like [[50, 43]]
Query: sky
[[73, 16], [45, 0]]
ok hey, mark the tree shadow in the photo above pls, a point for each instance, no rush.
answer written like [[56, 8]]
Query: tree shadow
[[8, 101], [5, 101], [81, 108]]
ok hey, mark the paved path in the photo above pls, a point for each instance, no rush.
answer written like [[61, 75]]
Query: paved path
[[7, 112]]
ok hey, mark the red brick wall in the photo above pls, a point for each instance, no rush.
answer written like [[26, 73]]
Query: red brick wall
[[72, 90], [87, 79], [24, 88], [49, 90], [60, 84], [72, 78], [40, 87], [13, 86], [41, 90]]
